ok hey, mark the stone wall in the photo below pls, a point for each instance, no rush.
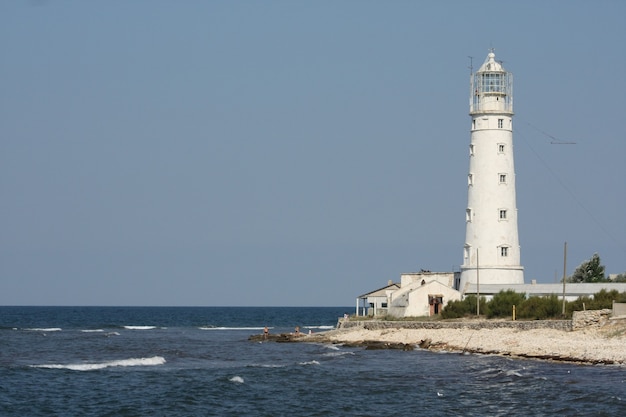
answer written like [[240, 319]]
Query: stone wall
[[468, 324], [590, 318]]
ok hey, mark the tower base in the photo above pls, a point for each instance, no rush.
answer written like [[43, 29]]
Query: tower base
[[490, 275]]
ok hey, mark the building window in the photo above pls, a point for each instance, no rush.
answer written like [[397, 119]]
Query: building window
[[468, 215], [502, 178], [500, 123], [473, 124], [502, 214], [471, 149], [470, 179], [466, 251], [500, 147], [504, 251]]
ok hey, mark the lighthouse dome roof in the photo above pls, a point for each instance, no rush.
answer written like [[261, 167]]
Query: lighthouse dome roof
[[491, 65]]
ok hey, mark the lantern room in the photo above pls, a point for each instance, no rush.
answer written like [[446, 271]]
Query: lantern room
[[491, 88]]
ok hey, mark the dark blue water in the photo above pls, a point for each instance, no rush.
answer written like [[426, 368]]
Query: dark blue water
[[93, 361]]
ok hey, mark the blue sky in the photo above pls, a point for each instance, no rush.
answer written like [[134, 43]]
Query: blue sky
[[292, 153]]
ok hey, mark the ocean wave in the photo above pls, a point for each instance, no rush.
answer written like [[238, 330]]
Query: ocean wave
[[313, 362], [331, 347], [139, 327], [92, 331], [260, 365], [236, 379], [153, 361], [337, 354], [319, 327], [229, 328], [47, 329]]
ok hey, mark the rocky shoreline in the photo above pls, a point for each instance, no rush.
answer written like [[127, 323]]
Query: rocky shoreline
[[604, 345]]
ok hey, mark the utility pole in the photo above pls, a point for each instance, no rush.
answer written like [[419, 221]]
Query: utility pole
[[477, 285], [564, 274]]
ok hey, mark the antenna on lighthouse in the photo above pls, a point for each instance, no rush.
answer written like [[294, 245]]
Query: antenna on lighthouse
[[471, 65]]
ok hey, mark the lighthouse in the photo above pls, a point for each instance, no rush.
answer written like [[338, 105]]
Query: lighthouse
[[491, 254]]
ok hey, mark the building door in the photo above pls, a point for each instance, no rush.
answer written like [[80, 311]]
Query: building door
[[436, 302]]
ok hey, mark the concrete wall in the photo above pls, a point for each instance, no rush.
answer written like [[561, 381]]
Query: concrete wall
[[446, 278], [619, 309]]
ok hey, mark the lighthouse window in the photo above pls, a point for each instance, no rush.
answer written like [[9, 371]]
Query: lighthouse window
[[502, 178], [500, 123], [504, 251], [502, 214], [492, 82], [468, 215], [500, 147], [470, 179], [471, 149]]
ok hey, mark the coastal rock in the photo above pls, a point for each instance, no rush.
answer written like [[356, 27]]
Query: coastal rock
[[280, 338], [425, 344]]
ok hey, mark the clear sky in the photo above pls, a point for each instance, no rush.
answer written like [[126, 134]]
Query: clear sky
[[288, 152]]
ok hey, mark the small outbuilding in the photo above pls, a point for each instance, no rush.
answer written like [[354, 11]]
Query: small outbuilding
[[375, 303]]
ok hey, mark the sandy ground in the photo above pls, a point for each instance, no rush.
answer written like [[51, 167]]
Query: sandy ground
[[593, 345]]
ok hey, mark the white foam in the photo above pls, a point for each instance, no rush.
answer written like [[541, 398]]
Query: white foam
[[335, 354], [153, 361], [140, 327], [309, 363], [236, 379], [254, 365], [229, 328], [320, 327], [47, 329], [92, 331]]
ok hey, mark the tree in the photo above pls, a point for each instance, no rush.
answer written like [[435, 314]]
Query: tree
[[589, 271]]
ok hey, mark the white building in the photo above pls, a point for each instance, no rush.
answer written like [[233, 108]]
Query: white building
[[491, 253]]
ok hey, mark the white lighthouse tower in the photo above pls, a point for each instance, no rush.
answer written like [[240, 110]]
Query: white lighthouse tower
[[492, 253]]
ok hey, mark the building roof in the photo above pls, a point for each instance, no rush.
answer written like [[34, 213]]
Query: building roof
[[491, 65], [381, 292]]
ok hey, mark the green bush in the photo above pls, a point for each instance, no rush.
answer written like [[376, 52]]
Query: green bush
[[600, 300], [455, 309], [540, 308], [463, 308], [501, 305]]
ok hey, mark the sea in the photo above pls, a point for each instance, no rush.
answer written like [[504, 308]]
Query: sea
[[199, 361]]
